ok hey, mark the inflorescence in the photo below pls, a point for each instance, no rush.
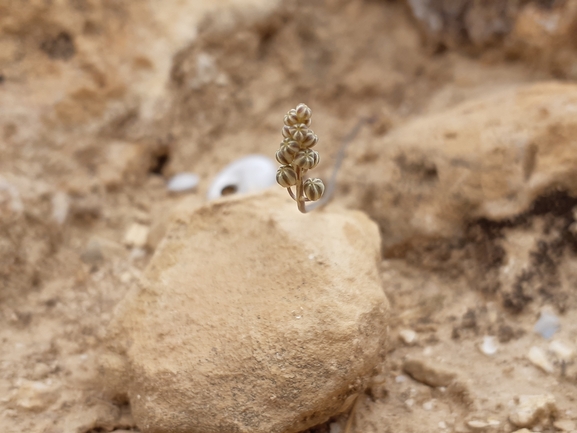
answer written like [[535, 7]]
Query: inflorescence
[[296, 157]]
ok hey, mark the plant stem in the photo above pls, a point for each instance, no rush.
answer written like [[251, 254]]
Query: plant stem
[[299, 194]]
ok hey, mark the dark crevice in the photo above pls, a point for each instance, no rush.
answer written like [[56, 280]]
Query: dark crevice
[[158, 163]]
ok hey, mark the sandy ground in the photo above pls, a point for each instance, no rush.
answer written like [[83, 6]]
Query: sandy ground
[[100, 105]]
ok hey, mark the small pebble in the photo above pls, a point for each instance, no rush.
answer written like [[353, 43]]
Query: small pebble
[[136, 235], [489, 345], [408, 336], [401, 378], [539, 358], [442, 424], [429, 405], [182, 182], [547, 325], [477, 425], [562, 351], [60, 207], [428, 372], [533, 408]]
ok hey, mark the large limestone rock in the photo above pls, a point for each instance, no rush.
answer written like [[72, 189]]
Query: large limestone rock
[[252, 318], [490, 157]]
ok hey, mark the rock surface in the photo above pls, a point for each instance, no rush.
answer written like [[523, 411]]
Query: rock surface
[[533, 409], [252, 317], [490, 157]]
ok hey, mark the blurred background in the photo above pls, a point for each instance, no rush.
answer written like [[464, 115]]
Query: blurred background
[[467, 165]]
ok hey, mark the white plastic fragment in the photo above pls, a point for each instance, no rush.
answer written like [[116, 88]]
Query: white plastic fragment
[[248, 174], [489, 345], [547, 325], [182, 182], [539, 358]]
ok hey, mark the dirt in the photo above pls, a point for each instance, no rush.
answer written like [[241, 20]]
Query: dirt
[[102, 102]]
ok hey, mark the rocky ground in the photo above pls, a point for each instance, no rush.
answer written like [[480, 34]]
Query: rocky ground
[[467, 164]]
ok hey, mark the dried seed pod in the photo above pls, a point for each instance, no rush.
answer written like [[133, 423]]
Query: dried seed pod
[[298, 131], [289, 146], [310, 140], [291, 118], [303, 112], [286, 176], [286, 131], [284, 158], [306, 159], [314, 189]]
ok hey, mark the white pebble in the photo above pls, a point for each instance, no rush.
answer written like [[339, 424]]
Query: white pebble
[[477, 425], [429, 405], [408, 336], [562, 351], [136, 235], [182, 182], [547, 325], [442, 424], [488, 346], [60, 207], [401, 378], [248, 174], [539, 358]]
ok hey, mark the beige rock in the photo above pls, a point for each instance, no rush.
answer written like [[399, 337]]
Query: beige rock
[[539, 358], [251, 318], [427, 371], [490, 157], [532, 409]]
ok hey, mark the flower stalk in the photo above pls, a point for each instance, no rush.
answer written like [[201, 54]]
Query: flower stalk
[[296, 157]]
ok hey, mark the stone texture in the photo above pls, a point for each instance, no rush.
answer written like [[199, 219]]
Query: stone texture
[[490, 157], [533, 409], [251, 318]]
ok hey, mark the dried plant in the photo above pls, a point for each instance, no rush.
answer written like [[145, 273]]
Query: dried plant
[[296, 157]]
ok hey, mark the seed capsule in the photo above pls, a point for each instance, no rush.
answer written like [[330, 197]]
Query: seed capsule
[[286, 131], [314, 189], [289, 146], [298, 131], [303, 112], [291, 118], [310, 140], [306, 159], [284, 158], [286, 176]]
